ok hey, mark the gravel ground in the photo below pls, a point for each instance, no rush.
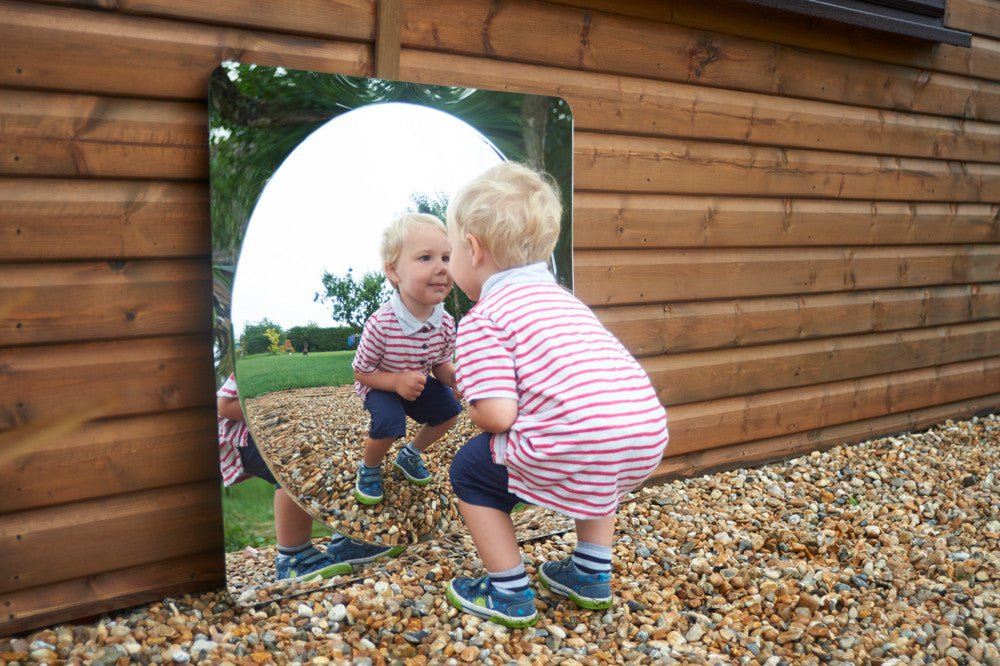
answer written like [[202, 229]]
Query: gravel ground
[[880, 553]]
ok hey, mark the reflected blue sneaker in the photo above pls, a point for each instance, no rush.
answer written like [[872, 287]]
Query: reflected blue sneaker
[[413, 469], [478, 597], [368, 485], [307, 565], [590, 591], [351, 551]]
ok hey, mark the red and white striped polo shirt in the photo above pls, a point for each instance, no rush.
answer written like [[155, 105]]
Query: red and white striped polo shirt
[[232, 436], [393, 340], [589, 426]]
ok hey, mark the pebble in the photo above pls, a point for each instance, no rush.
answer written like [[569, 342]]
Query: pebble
[[787, 563]]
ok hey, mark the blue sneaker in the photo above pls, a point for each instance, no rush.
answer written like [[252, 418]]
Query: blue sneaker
[[368, 485], [478, 597], [590, 591], [413, 469], [352, 551], [307, 565]]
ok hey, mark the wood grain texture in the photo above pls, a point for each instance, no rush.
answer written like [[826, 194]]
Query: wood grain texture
[[980, 17], [127, 455], [749, 454], [669, 166], [711, 375], [623, 277], [651, 330], [771, 25], [343, 19], [608, 220], [146, 375], [584, 40], [86, 136], [59, 219], [91, 595], [632, 105], [106, 300], [717, 423], [163, 524], [67, 49], [388, 19]]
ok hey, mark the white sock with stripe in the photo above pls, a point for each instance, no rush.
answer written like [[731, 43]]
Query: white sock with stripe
[[510, 581], [591, 558]]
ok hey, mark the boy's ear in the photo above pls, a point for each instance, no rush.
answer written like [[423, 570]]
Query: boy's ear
[[390, 272], [477, 249]]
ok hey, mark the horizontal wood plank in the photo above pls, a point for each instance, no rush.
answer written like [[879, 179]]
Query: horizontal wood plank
[[140, 376], [145, 527], [613, 220], [711, 375], [706, 425], [343, 19], [669, 166], [976, 16], [114, 456], [630, 105], [622, 277], [68, 49], [88, 136], [579, 39], [116, 299], [651, 330], [750, 454], [771, 25], [91, 595], [73, 219]]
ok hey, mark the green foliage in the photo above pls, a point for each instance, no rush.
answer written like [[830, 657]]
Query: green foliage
[[319, 338], [273, 338], [265, 373], [352, 301], [254, 340]]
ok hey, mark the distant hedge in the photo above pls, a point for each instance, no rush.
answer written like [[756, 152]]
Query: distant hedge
[[320, 339]]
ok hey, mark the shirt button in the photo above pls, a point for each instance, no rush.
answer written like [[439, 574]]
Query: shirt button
[[424, 346]]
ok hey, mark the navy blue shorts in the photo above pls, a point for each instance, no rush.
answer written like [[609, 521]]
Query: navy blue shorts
[[253, 462], [435, 405], [478, 480]]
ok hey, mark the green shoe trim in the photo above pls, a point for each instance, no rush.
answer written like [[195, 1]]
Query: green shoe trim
[[415, 482], [511, 623]]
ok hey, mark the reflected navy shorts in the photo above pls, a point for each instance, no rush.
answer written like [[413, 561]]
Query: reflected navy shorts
[[478, 480], [435, 405], [253, 462]]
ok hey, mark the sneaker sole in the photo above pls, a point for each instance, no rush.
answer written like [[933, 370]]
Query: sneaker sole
[[367, 500], [412, 479], [589, 603], [395, 551], [486, 613], [339, 569]]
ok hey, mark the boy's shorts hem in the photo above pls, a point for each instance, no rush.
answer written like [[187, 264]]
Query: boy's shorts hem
[[253, 462], [435, 405], [477, 480]]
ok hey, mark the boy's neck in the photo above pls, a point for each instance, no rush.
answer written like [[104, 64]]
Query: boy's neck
[[419, 311]]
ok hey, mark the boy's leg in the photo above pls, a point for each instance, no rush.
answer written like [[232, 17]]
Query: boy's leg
[[388, 423], [502, 595], [438, 410], [585, 576], [292, 525], [429, 434], [375, 450]]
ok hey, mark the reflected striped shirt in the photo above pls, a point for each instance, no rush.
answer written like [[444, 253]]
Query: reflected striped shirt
[[590, 427], [232, 436], [394, 341]]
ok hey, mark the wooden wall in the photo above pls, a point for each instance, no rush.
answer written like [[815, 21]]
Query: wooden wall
[[793, 225]]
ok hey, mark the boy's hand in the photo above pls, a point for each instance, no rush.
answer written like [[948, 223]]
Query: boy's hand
[[409, 385]]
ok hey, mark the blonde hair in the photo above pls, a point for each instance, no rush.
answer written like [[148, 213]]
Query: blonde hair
[[399, 230], [513, 210]]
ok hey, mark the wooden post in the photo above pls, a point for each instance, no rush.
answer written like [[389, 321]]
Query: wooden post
[[388, 24]]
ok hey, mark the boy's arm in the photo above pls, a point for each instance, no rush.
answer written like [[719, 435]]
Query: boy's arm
[[493, 414], [409, 385], [445, 373], [229, 408]]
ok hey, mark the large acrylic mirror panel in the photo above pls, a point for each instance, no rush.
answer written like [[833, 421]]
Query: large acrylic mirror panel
[[307, 169]]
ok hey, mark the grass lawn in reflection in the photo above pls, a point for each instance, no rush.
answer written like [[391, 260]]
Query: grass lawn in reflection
[[264, 373]]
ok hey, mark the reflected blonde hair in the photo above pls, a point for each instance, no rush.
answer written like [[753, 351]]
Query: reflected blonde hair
[[513, 210], [395, 235]]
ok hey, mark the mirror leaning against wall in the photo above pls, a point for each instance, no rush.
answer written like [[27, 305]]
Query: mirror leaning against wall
[[307, 169]]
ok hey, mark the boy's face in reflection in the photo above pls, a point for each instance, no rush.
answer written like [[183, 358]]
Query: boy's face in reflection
[[421, 272]]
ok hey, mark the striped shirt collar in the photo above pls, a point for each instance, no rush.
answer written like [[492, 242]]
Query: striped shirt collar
[[408, 322], [518, 275]]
